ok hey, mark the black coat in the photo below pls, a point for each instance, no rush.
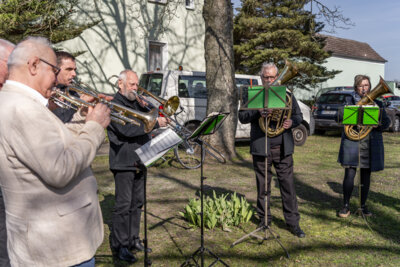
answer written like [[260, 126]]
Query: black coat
[[257, 136], [125, 139], [348, 152]]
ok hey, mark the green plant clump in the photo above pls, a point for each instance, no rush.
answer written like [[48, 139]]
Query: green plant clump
[[219, 211]]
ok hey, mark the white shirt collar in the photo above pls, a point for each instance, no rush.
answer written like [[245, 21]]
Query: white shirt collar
[[32, 92]]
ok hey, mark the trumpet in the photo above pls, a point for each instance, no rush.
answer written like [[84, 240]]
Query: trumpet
[[119, 113]]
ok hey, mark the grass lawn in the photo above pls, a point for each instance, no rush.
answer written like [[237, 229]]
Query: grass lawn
[[330, 241]]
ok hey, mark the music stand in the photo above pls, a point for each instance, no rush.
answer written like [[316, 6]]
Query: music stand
[[360, 116], [208, 126], [268, 97]]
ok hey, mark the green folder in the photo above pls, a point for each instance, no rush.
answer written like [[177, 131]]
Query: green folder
[[370, 115], [350, 115], [361, 115], [276, 97], [209, 125]]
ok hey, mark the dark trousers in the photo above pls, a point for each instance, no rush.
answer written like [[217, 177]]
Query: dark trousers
[[348, 184], [127, 209], [4, 261], [284, 171]]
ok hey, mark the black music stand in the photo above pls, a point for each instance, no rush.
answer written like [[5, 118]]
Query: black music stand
[[272, 99], [361, 116], [209, 126], [148, 154]]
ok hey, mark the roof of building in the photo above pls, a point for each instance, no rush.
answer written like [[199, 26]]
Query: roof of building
[[351, 49]]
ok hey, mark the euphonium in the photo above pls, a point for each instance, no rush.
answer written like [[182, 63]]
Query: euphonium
[[381, 89], [279, 116]]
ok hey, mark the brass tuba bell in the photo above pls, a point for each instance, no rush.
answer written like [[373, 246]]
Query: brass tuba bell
[[381, 89], [279, 116]]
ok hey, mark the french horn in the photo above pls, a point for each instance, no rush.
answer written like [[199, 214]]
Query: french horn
[[380, 89], [280, 115]]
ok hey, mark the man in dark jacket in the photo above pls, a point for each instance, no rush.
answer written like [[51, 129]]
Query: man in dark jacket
[[371, 151], [129, 176], [280, 150], [66, 63]]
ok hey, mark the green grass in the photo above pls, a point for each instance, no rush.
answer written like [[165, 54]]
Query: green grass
[[330, 241]]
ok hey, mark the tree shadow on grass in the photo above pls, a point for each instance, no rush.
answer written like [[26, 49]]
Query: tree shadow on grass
[[385, 221]]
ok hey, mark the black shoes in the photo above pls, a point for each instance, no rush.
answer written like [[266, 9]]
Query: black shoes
[[296, 230], [344, 212], [138, 245], [365, 211], [125, 255]]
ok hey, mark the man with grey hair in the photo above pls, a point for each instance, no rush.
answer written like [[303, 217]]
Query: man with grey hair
[[280, 150], [129, 176], [50, 193], [6, 48]]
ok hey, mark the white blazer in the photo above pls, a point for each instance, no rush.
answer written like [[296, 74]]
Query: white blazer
[[53, 215]]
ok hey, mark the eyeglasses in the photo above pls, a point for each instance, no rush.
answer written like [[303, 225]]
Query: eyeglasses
[[268, 77], [56, 69], [363, 86]]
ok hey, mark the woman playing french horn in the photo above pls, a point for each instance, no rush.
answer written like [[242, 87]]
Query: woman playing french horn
[[371, 156]]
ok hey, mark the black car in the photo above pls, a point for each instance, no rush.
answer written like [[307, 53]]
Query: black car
[[325, 111]]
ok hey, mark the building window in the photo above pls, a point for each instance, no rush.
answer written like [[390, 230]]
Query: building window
[[158, 1], [190, 4], [157, 56]]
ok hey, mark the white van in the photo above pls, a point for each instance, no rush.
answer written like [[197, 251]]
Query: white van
[[190, 87]]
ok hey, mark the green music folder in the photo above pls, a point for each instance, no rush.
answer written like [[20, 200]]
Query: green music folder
[[370, 115], [361, 115], [276, 97], [350, 115]]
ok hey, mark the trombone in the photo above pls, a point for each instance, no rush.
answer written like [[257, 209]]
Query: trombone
[[170, 106]]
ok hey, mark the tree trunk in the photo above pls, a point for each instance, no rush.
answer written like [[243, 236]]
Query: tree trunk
[[220, 72]]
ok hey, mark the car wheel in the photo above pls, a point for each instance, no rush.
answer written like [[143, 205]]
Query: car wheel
[[396, 124], [300, 135]]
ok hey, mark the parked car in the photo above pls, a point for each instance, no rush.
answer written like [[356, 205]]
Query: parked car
[[392, 101], [325, 111], [191, 88]]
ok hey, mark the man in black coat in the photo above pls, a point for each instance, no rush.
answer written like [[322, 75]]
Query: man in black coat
[[128, 174], [280, 150], [66, 63]]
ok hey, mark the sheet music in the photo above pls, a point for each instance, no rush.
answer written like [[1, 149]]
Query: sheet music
[[158, 146]]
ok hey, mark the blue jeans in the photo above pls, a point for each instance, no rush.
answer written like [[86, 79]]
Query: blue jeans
[[89, 263]]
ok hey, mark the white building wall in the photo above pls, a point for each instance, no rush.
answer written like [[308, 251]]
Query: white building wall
[[349, 68], [121, 39]]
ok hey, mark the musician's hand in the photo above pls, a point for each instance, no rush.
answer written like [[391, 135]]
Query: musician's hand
[[287, 123], [142, 101], [162, 121], [105, 97], [100, 113], [265, 111], [51, 105]]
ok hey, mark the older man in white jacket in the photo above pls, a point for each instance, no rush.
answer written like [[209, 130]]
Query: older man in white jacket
[[52, 211]]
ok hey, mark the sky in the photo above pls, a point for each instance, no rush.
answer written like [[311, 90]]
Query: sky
[[376, 23]]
